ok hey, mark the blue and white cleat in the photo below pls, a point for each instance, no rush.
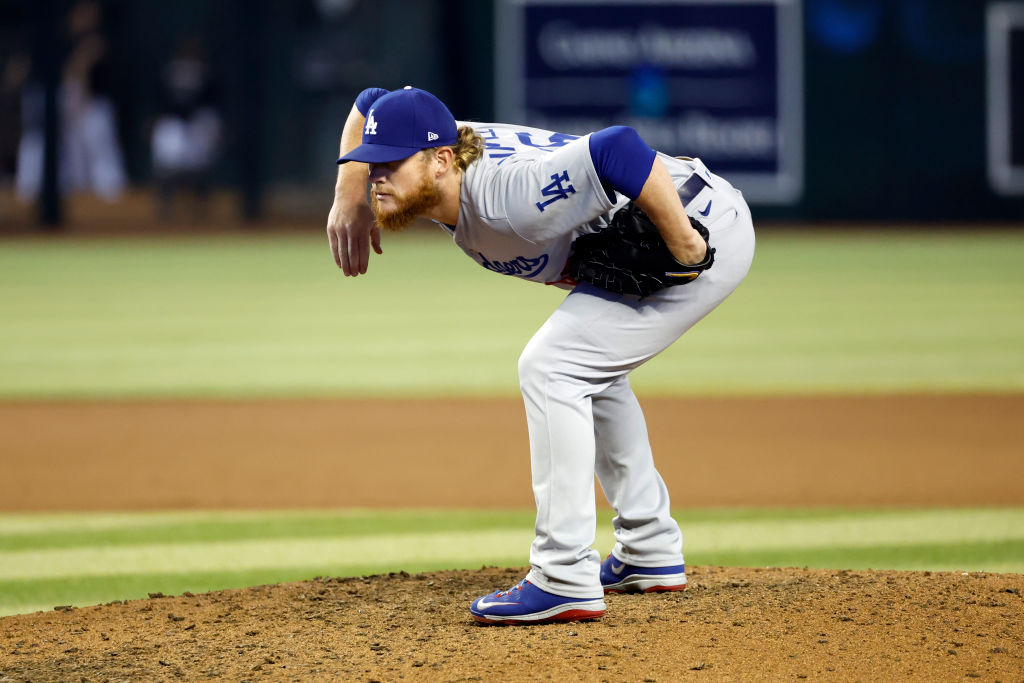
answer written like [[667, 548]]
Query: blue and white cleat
[[619, 577], [525, 603]]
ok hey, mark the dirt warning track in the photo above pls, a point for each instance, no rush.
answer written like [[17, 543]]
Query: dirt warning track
[[115, 455]]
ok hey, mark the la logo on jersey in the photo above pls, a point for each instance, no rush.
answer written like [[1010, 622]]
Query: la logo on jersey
[[371, 124], [556, 190]]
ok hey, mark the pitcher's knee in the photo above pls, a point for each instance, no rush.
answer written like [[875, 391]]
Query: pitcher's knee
[[534, 368], [541, 371]]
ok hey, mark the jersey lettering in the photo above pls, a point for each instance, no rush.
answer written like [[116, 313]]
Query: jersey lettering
[[555, 140], [496, 150], [555, 189], [519, 266]]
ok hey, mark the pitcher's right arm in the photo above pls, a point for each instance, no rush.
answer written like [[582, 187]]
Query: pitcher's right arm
[[350, 226]]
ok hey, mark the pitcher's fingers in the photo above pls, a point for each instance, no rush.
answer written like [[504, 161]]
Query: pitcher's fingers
[[346, 253], [364, 254], [353, 254], [375, 239], [332, 239]]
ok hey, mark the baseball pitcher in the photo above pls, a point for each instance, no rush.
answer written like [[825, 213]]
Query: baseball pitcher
[[646, 245]]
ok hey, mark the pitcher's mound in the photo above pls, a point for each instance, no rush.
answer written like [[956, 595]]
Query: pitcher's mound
[[738, 624]]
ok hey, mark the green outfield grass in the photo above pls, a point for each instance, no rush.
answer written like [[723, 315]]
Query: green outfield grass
[[269, 315], [82, 559]]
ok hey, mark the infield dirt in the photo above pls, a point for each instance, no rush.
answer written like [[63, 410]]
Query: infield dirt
[[731, 624]]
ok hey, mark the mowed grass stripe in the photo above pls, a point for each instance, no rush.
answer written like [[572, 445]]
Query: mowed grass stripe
[[18, 596], [269, 315], [709, 529], [340, 553], [854, 531], [960, 555], [21, 596], [956, 540], [26, 532], [878, 531]]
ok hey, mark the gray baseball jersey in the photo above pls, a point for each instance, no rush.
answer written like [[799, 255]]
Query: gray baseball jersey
[[534, 192]]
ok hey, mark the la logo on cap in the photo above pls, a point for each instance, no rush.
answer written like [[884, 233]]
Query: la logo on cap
[[409, 120]]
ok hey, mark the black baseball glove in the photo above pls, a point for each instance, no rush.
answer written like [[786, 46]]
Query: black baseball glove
[[630, 257]]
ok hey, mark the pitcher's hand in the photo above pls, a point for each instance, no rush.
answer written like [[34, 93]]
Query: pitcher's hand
[[351, 231]]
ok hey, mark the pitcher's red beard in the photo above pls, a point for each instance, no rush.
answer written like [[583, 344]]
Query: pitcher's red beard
[[407, 208]]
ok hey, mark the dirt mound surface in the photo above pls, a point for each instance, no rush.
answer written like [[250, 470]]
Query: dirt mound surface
[[738, 624]]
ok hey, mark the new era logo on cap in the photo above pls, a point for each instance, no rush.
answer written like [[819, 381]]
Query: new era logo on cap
[[401, 123]]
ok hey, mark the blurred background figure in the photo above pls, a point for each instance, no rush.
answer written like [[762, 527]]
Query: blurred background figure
[[241, 98], [186, 137], [90, 151], [13, 74]]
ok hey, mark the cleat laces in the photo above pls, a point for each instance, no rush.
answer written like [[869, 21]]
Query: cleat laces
[[517, 587]]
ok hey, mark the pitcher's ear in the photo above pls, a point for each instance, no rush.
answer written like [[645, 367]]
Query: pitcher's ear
[[445, 157]]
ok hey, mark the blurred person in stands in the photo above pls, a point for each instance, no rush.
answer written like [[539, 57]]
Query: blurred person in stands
[[186, 137], [13, 75], [90, 152]]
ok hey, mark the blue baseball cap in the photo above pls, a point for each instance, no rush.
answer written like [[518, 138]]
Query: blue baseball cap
[[402, 123]]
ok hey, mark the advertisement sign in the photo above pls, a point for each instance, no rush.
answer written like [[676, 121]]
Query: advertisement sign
[[1005, 67], [717, 79]]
